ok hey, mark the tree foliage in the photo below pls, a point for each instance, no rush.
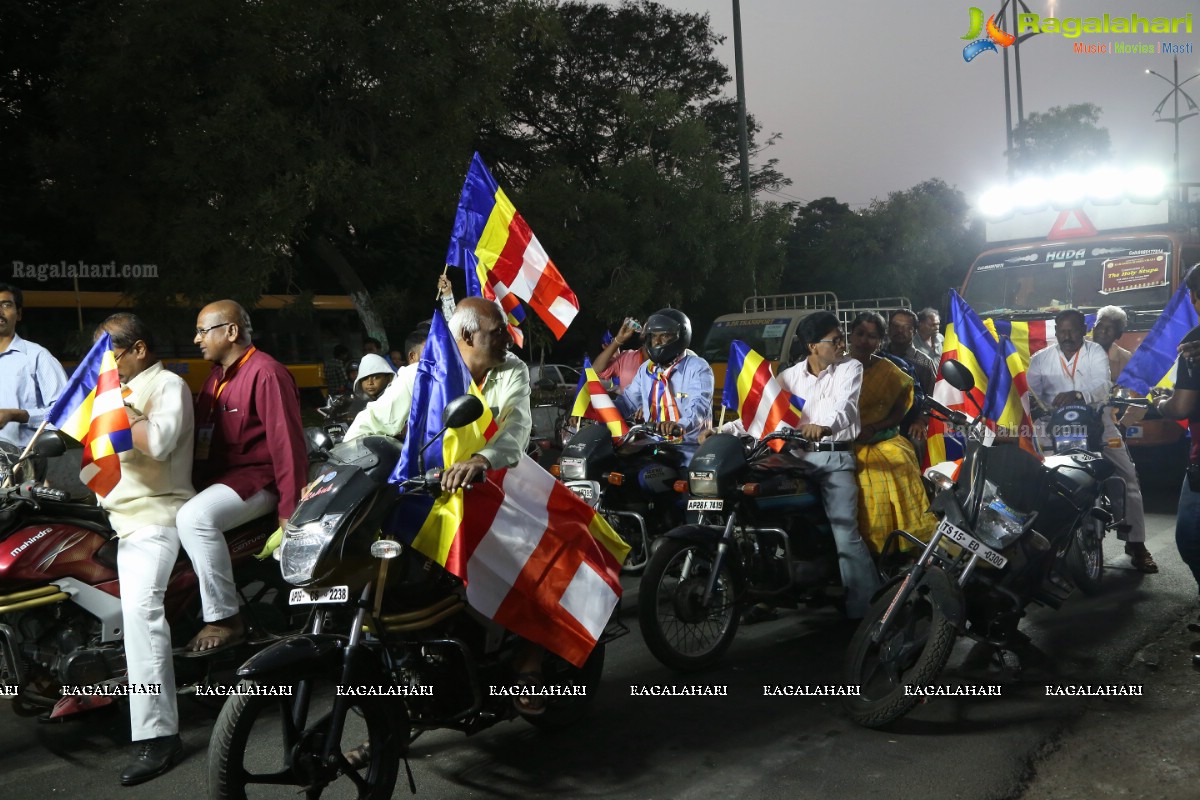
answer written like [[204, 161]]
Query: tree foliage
[[914, 244], [1062, 138]]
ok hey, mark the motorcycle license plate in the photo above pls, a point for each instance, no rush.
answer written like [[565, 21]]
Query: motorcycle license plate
[[971, 544], [330, 594], [584, 492], [696, 504]]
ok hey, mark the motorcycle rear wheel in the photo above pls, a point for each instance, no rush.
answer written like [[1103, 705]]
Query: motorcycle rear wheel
[[680, 631], [913, 652], [1085, 558], [253, 745]]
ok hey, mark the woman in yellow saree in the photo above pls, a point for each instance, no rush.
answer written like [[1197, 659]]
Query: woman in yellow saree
[[890, 494]]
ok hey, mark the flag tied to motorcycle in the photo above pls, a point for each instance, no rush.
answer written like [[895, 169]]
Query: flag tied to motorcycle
[[1001, 390], [1153, 363], [592, 402], [502, 258], [753, 391], [533, 556], [91, 411]]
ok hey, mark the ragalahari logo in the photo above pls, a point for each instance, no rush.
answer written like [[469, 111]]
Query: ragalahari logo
[[994, 35]]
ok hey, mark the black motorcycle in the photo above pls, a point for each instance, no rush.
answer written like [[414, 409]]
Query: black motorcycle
[[391, 650], [761, 535], [1005, 524], [630, 483]]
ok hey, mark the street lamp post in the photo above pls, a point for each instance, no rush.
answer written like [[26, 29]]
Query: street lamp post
[[1175, 92], [1002, 15]]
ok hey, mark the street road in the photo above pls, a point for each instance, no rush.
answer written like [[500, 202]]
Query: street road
[[741, 745]]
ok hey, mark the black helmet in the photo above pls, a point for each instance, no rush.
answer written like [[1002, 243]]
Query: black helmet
[[671, 321]]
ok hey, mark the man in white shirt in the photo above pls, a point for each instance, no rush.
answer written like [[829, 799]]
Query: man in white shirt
[[829, 383], [156, 480], [1076, 370], [481, 332]]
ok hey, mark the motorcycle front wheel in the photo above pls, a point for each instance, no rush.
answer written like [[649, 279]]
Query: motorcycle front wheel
[[681, 630], [274, 746], [1085, 557], [913, 652]]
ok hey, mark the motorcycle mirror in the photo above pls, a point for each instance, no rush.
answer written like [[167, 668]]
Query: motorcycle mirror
[[49, 445], [958, 375], [462, 411]]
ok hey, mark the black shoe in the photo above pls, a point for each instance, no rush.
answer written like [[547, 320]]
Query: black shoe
[[156, 757]]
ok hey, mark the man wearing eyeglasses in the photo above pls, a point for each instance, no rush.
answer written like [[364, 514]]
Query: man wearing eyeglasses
[[156, 481], [30, 378], [249, 461], [829, 384]]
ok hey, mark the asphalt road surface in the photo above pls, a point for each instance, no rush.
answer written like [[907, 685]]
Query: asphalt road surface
[[743, 745]]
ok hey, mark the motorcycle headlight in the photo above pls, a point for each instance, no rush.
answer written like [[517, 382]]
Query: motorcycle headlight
[[703, 484], [572, 469], [303, 547], [999, 524]]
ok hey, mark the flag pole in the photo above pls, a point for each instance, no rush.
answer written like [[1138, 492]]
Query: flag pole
[[721, 420], [439, 291]]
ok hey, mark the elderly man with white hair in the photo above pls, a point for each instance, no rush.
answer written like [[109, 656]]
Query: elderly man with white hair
[[1110, 326]]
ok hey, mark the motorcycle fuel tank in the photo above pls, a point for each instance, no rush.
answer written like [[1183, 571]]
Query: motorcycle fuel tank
[[46, 551]]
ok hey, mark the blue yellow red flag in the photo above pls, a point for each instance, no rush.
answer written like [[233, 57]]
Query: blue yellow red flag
[[753, 391], [1153, 363], [592, 402], [91, 411], [494, 244]]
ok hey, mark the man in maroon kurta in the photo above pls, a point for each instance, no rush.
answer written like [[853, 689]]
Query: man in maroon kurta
[[249, 460]]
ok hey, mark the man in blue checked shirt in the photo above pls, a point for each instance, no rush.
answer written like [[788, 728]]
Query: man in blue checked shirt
[[30, 378], [674, 388]]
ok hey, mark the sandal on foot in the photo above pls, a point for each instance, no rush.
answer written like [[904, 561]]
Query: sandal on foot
[[359, 756], [224, 638], [530, 705]]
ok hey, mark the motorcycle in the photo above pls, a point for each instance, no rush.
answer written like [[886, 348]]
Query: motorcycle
[[1077, 428], [761, 535], [630, 482], [392, 650], [1004, 525], [60, 607]]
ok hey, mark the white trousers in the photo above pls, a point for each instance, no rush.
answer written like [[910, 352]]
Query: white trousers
[[144, 562], [202, 523], [1135, 512]]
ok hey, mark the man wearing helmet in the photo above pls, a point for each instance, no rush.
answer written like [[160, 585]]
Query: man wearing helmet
[[674, 388]]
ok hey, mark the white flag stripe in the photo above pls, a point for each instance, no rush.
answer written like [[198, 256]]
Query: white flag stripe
[[563, 310], [106, 401], [533, 263], [589, 600], [757, 426], [516, 531]]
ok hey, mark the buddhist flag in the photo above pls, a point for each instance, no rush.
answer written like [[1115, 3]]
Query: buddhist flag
[[1153, 363], [91, 411], [538, 560], [998, 369], [429, 525], [1027, 337], [502, 257], [593, 402], [532, 556], [751, 389]]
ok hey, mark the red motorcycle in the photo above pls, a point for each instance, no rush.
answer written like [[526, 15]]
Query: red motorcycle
[[60, 606]]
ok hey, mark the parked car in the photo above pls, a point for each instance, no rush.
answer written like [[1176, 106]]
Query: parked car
[[557, 377]]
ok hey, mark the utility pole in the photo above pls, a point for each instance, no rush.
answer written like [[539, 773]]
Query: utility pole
[[1193, 109], [743, 134]]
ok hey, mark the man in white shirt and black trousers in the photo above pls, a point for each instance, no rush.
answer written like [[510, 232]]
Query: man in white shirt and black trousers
[[829, 384], [156, 480], [1077, 371]]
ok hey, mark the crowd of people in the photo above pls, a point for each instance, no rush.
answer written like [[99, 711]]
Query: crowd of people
[[200, 468]]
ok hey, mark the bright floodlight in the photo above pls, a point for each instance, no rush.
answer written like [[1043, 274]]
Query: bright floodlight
[[1067, 191], [996, 203], [1105, 185], [1031, 194], [1145, 183]]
